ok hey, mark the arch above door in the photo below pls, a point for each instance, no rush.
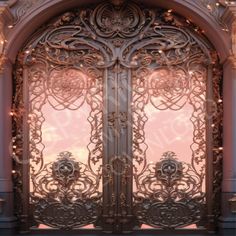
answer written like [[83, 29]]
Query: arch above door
[[35, 13]]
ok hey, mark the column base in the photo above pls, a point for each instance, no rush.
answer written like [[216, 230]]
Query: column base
[[227, 223], [7, 219], [8, 222], [8, 232], [227, 219]]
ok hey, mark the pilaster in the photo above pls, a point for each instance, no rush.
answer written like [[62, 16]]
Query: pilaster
[[228, 217], [7, 219], [6, 18]]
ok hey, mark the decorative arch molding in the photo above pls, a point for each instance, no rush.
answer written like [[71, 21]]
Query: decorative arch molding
[[29, 15]]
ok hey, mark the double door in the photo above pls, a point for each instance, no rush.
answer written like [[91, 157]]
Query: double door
[[116, 123]]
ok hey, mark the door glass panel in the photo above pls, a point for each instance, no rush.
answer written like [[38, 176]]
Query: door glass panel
[[62, 130], [65, 127], [169, 130], [169, 146]]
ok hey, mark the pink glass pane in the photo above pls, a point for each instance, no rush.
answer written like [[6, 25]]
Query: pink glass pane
[[169, 130], [193, 226], [66, 130]]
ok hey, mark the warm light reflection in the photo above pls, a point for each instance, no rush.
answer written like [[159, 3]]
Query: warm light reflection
[[65, 130], [64, 105], [173, 119], [169, 130], [41, 226], [193, 226]]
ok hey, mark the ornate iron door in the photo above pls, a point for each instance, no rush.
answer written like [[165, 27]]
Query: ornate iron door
[[117, 70]]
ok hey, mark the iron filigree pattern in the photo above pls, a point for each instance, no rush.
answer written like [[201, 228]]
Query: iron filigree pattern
[[217, 132], [172, 71], [175, 72], [118, 20], [65, 71], [152, 55], [67, 88], [168, 194], [67, 196], [17, 142]]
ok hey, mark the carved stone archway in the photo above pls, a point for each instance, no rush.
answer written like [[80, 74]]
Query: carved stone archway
[[20, 33]]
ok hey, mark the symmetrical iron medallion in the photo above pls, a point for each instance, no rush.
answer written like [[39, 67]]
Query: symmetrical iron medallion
[[67, 195]]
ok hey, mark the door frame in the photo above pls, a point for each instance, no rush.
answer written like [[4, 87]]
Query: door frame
[[13, 48]]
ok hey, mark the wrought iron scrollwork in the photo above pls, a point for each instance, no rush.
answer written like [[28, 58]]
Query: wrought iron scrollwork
[[169, 170], [168, 194], [117, 20], [170, 71], [64, 71], [67, 196]]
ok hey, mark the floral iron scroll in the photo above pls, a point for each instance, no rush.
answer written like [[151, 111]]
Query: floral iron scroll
[[168, 194], [64, 79], [67, 196], [79, 58]]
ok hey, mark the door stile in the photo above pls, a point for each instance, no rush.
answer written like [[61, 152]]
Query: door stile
[[124, 151], [24, 221], [117, 161], [105, 181], [209, 148], [110, 141]]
